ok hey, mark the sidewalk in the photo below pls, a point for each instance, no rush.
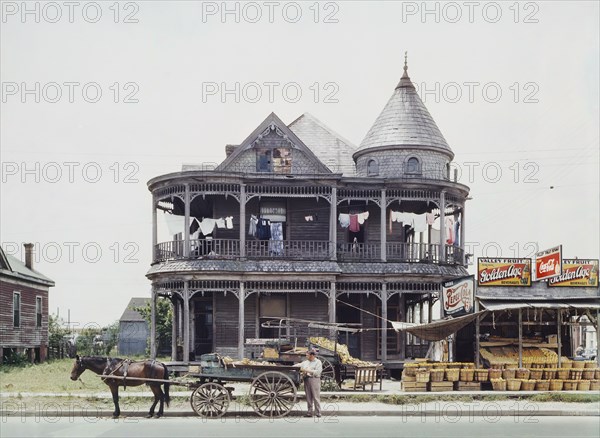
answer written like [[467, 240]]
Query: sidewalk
[[391, 401]]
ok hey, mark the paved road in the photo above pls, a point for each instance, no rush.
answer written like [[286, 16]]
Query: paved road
[[465, 427]]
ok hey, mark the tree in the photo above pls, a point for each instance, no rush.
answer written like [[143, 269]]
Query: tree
[[164, 323], [110, 337]]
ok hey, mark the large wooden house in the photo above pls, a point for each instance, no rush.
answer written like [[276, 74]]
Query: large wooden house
[[23, 307], [297, 222]]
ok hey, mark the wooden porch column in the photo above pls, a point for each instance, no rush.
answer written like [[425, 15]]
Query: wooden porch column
[[333, 224], [332, 309], [442, 254], [186, 322], [154, 228], [384, 322], [153, 324], [477, 328], [597, 335], [383, 221], [521, 338], [242, 220], [462, 234], [402, 310], [186, 225], [241, 322], [558, 327], [430, 309], [174, 330]]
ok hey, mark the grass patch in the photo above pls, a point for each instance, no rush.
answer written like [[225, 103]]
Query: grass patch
[[566, 397], [52, 376]]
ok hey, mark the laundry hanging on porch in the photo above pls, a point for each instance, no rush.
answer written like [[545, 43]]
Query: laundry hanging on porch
[[263, 229], [344, 220], [276, 242], [176, 223], [252, 225], [457, 233], [207, 225], [449, 222], [416, 221]]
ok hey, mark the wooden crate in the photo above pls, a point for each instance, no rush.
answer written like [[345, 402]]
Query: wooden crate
[[414, 387], [440, 386], [467, 386], [409, 378]]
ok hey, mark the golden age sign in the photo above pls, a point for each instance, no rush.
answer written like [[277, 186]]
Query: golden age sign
[[577, 273], [503, 272]]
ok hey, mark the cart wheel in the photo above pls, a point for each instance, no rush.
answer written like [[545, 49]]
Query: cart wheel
[[328, 375], [272, 394], [210, 400]]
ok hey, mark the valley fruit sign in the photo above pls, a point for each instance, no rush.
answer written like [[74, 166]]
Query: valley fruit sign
[[503, 272], [577, 273], [548, 263]]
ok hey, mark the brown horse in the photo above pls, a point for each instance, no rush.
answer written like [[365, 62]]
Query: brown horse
[[131, 371]]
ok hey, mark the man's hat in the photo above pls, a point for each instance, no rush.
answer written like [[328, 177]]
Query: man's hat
[[312, 352]]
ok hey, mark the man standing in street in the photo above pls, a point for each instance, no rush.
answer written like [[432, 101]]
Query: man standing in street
[[311, 371]]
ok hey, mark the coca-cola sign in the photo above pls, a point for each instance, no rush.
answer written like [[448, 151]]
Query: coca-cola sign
[[503, 272], [577, 273], [548, 263], [458, 296]]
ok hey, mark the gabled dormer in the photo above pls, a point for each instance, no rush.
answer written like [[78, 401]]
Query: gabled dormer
[[272, 149]]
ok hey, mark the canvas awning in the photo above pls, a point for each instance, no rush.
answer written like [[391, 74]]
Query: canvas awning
[[437, 330], [493, 305]]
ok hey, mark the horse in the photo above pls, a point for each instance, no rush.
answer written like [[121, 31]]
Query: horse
[[124, 368]]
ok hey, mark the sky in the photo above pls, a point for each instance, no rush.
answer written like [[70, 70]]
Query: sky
[[100, 97]]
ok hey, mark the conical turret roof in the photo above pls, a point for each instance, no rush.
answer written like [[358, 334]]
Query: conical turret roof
[[404, 122]]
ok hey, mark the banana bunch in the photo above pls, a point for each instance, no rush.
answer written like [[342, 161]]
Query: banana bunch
[[342, 351]]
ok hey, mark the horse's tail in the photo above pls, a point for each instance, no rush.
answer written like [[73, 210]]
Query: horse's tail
[[167, 385]]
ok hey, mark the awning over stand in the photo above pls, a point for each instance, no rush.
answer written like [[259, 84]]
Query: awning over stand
[[494, 305], [437, 330]]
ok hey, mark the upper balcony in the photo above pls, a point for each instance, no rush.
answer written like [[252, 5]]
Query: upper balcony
[[308, 250]]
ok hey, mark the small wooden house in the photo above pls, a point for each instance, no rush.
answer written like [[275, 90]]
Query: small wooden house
[[23, 307]]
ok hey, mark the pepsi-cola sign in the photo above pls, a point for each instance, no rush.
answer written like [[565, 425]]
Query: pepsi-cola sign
[[458, 296]]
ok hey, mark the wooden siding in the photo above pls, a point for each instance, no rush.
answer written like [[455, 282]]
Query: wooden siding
[[368, 346], [299, 228], [226, 320], [310, 307], [27, 335]]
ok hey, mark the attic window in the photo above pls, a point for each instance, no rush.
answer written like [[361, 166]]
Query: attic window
[[413, 165], [372, 168], [276, 160]]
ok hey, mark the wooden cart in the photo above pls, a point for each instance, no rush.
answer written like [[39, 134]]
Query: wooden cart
[[273, 388]]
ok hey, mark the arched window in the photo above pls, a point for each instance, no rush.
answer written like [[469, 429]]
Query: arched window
[[372, 168], [413, 165]]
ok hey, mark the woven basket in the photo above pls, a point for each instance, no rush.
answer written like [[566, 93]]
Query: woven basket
[[527, 385], [536, 373], [410, 370], [499, 384], [589, 364], [495, 373], [583, 385], [597, 374], [566, 364], [481, 375], [468, 365], [556, 385], [456, 365], [522, 373], [569, 385], [466, 374], [562, 373], [513, 384], [542, 385], [509, 373], [578, 364], [438, 365], [549, 373], [537, 365], [575, 374], [437, 375], [423, 375], [588, 373], [594, 385], [452, 374]]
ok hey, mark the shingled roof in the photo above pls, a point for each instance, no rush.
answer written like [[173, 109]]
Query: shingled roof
[[404, 121], [331, 149], [133, 315], [13, 267]]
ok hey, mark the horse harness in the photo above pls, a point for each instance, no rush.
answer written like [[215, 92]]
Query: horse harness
[[124, 363]]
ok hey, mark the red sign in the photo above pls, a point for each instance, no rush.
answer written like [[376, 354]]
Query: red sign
[[458, 296], [548, 263], [577, 273]]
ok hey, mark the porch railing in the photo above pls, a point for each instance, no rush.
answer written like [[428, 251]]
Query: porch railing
[[289, 249], [359, 252], [310, 250]]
